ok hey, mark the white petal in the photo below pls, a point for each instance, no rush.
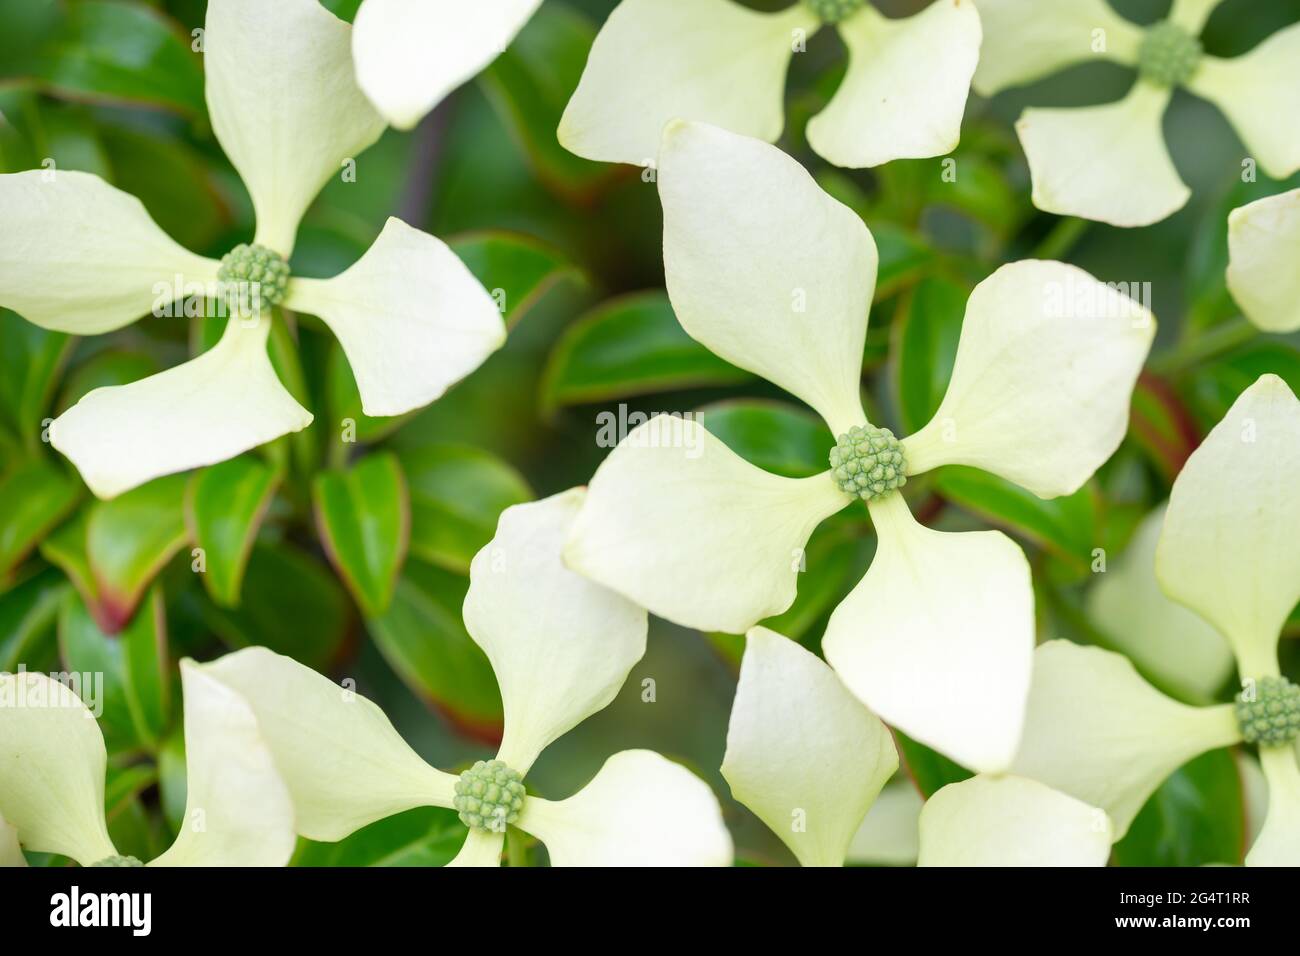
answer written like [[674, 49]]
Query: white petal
[[207, 410], [1278, 843], [1025, 40], [680, 524], [411, 53], [11, 854], [52, 762], [237, 810], [561, 645], [764, 268], [1161, 636], [284, 103], [1263, 247], [1011, 821], [1107, 163], [1041, 384], [905, 91], [889, 834], [1097, 731], [411, 318], [480, 849], [1257, 94], [641, 809], [938, 637], [1229, 548], [344, 764], [802, 752], [660, 60], [78, 255]]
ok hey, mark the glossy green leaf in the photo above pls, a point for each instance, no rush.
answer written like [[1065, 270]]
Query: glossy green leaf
[[1161, 426], [1194, 818], [35, 495], [631, 345], [30, 359], [424, 640], [106, 369], [827, 574], [28, 614], [124, 675], [224, 507], [364, 518], [457, 494], [425, 836], [783, 439], [1216, 386], [516, 269], [927, 329]]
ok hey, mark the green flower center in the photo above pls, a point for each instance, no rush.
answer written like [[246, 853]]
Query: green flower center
[[1169, 54], [118, 861], [1270, 712], [868, 462], [253, 275], [833, 11], [489, 796]]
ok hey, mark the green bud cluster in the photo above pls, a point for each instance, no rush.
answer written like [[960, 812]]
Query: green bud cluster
[[868, 462], [118, 861], [833, 11], [249, 270], [489, 796], [1169, 54], [1273, 715]]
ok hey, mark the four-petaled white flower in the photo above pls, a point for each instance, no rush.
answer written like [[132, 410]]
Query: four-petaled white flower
[[52, 765], [561, 647], [810, 761], [716, 62], [1110, 162], [1263, 249], [80, 256], [411, 53], [776, 277], [1099, 732]]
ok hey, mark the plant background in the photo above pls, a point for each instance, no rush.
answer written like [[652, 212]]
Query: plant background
[[112, 86]]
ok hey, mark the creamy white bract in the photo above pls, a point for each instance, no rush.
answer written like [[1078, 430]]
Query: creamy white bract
[[775, 276], [80, 256], [717, 62], [1110, 162]]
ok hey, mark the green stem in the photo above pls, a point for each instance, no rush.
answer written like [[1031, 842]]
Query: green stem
[[1207, 345], [1065, 235]]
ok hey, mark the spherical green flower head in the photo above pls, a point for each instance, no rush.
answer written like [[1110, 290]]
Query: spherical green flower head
[[489, 796], [1169, 54], [868, 462], [833, 11], [118, 861], [252, 270], [1273, 716]]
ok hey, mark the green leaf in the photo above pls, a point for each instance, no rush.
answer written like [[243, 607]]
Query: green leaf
[[290, 603], [928, 327], [903, 257], [426, 836], [27, 620], [104, 370], [224, 507], [457, 494], [1161, 426], [1194, 818], [125, 53], [126, 675], [424, 640], [929, 769], [364, 517], [828, 573], [350, 425], [516, 269], [36, 496], [129, 540], [632, 345], [1216, 387], [30, 359], [529, 85], [780, 438]]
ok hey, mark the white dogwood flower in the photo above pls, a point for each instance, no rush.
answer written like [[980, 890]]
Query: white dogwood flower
[[717, 62], [561, 647], [776, 277], [52, 765], [79, 256], [1097, 731], [1110, 162], [411, 53], [1263, 248], [810, 760]]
